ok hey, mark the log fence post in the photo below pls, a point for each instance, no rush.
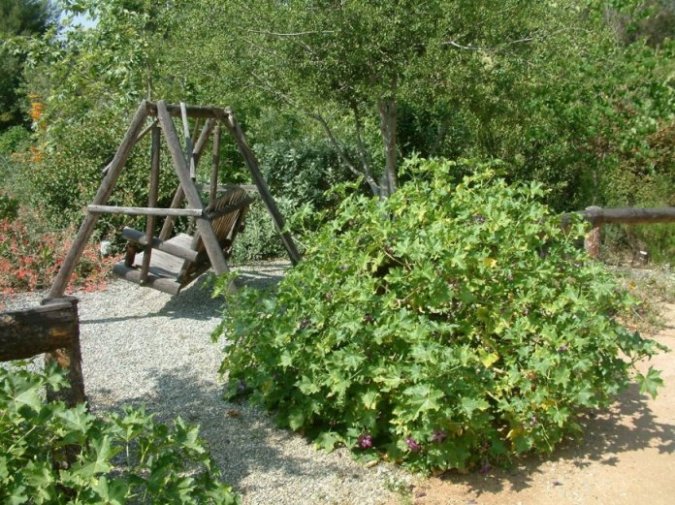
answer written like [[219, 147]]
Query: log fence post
[[592, 240], [52, 328]]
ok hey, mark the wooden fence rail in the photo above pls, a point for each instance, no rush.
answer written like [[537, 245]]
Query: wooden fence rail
[[598, 216], [53, 329]]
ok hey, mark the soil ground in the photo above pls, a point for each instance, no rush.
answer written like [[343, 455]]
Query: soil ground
[[626, 456]]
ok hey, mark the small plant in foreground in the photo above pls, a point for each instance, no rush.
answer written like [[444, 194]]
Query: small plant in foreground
[[450, 326], [125, 458]]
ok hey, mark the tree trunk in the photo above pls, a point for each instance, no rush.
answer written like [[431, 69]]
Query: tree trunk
[[388, 125]]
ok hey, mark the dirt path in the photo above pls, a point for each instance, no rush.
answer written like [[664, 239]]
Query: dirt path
[[626, 457]]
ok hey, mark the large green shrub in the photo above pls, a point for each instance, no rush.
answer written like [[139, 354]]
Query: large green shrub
[[448, 326], [126, 458]]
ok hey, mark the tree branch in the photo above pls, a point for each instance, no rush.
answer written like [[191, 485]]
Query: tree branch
[[460, 46], [500, 47], [362, 149], [366, 174], [296, 34], [343, 155]]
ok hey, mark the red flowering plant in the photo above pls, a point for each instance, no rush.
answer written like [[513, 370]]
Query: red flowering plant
[[30, 260]]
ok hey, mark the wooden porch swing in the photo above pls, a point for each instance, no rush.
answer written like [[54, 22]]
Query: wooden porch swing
[[169, 263]]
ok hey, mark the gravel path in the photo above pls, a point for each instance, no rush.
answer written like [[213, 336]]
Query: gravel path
[[142, 346]]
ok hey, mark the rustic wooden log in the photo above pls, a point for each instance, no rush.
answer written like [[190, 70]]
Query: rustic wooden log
[[215, 167], [69, 358], [252, 163], [102, 196], [599, 216], [195, 129], [155, 243], [189, 150], [153, 194], [208, 236], [144, 211], [202, 140], [195, 111], [52, 328], [169, 222], [592, 240], [167, 227], [130, 254], [140, 136], [25, 333]]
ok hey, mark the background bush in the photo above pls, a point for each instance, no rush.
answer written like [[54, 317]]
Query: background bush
[[125, 458], [447, 327], [260, 240], [302, 170]]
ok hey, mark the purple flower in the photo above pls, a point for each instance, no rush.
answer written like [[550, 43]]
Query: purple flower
[[439, 436], [413, 445], [365, 441]]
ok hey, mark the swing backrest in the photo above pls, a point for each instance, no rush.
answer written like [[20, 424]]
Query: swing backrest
[[233, 205]]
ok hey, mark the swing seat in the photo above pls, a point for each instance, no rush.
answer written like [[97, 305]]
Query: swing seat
[[176, 262]]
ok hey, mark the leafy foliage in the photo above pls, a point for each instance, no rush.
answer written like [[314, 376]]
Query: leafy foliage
[[575, 95], [125, 458], [448, 326], [18, 18], [9, 207], [260, 239], [301, 170]]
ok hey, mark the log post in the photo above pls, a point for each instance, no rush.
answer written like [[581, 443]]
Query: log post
[[189, 151], [169, 222], [593, 237], [152, 202], [102, 195], [256, 174], [204, 227], [52, 328], [70, 359], [213, 190], [178, 197]]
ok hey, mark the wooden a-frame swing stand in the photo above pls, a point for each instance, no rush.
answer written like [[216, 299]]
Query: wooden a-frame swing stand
[[169, 263]]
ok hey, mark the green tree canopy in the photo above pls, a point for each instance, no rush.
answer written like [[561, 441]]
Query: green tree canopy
[[18, 18]]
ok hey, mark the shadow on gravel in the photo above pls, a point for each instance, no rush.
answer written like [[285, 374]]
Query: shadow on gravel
[[241, 439], [196, 301], [628, 426]]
